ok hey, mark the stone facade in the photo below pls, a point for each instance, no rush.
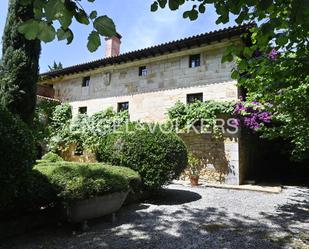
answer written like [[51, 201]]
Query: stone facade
[[220, 157], [169, 79]]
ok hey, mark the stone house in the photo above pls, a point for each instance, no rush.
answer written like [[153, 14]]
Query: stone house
[[147, 82]]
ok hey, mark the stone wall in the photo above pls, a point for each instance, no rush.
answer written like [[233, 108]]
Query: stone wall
[[68, 154], [221, 162]]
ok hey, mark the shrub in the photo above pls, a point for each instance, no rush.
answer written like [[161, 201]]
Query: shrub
[[17, 153], [52, 157], [158, 157], [84, 131], [42, 119], [60, 116], [32, 191], [60, 134], [35, 191], [103, 123], [79, 181]]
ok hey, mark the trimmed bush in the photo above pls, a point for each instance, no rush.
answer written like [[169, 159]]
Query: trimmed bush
[[17, 154], [35, 191], [32, 192], [79, 181], [52, 157], [158, 157]]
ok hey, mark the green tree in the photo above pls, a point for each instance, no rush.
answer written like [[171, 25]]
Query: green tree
[[20, 64], [273, 65], [55, 66]]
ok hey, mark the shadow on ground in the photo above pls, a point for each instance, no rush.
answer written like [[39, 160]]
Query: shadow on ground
[[174, 197], [152, 225]]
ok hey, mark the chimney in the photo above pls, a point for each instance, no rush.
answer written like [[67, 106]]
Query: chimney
[[112, 45]]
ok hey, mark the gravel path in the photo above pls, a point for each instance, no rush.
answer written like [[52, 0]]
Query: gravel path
[[192, 218]]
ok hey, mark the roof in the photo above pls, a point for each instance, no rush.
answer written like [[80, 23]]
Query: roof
[[168, 47]]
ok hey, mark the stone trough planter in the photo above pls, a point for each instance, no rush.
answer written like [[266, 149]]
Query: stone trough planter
[[81, 211]]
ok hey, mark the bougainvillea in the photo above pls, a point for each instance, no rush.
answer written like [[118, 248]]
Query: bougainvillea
[[273, 54], [252, 115]]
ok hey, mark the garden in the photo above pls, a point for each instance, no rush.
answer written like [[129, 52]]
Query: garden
[[63, 160]]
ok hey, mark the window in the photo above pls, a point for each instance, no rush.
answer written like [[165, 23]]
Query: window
[[86, 81], [123, 106], [195, 60], [82, 110], [142, 71], [191, 98]]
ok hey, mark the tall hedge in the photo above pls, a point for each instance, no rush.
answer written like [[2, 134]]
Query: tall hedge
[[17, 154], [20, 64]]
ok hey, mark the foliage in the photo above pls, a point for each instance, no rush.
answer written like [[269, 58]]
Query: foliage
[[272, 62], [281, 15], [56, 66], [78, 130], [52, 157], [20, 64], [61, 116], [83, 130], [61, 141], [103, 123], [282, 85], [80, 181], [49, 15], [16, 152], [55, 124], [42, 120], [185, 116], [157, 156]]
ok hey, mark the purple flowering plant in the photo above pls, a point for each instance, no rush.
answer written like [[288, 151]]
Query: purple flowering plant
[[273, 54], [252, 115]]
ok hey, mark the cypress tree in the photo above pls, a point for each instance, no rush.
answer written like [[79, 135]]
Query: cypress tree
[[20, 64]]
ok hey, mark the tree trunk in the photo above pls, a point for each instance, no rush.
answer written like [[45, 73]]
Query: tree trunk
[[20, 64]]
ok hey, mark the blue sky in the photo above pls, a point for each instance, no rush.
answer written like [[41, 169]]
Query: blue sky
[[138, 26]]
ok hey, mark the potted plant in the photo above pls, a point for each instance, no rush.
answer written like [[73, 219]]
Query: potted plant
[[88, 190], [194, 169], [82, 210]]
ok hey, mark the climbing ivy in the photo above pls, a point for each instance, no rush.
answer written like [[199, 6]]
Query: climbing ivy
[[185, 117]]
